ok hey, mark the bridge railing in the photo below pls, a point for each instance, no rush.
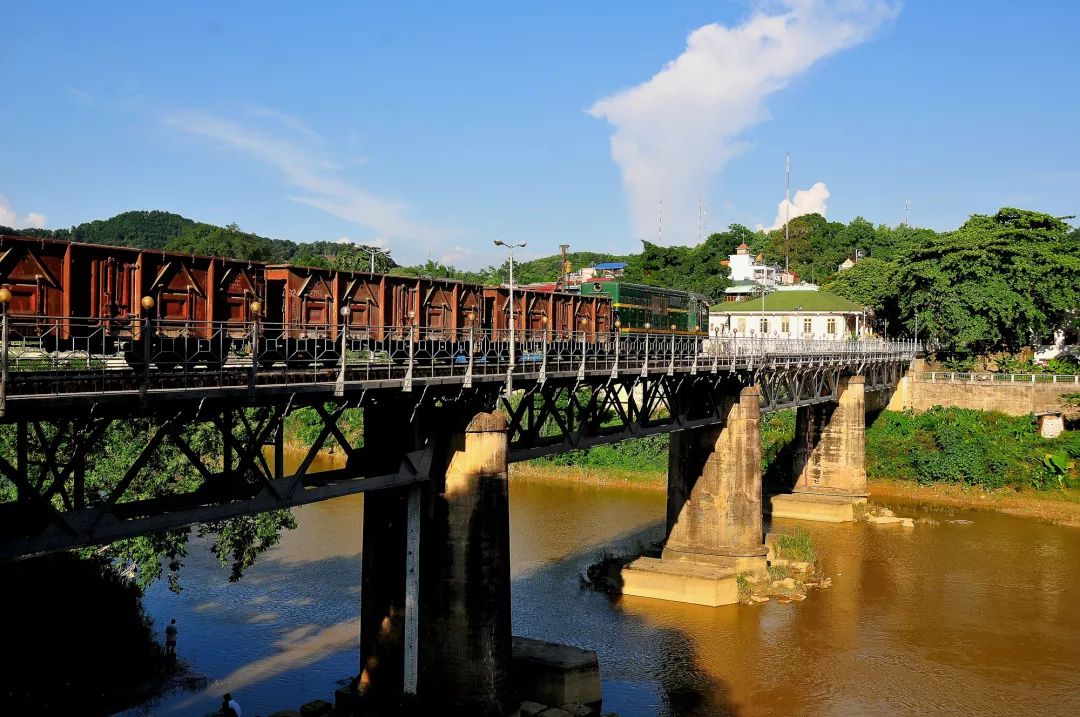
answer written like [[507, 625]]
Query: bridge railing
[[63, 355], [995, 378]]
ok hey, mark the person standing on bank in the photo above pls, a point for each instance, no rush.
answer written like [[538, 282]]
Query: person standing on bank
[[170, 639], [230, 707]]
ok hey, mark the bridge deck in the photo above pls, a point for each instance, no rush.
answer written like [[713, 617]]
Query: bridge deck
[[557, 404]]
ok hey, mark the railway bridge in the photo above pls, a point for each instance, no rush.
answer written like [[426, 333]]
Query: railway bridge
[[439, 431]]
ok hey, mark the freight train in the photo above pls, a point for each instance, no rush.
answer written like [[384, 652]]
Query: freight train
[[165, 309]]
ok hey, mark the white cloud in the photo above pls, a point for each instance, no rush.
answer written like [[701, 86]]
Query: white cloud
[[807, 201], [291, 121], [308, 170], [676, 131], [9, 218], [458, 256], [344, 240]]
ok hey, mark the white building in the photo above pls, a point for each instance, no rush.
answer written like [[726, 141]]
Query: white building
[[790, 314], [744, 268]]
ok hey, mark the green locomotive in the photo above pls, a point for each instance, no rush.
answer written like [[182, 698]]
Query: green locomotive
[[638, 305]]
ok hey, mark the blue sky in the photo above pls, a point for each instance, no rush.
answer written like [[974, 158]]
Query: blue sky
[[435, 128]]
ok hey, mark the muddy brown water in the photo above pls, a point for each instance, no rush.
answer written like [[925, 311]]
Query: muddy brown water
[[952, 618]]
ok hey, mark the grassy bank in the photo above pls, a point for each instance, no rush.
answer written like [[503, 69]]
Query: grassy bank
[[951, 457], [1061, 507], [589, 476]]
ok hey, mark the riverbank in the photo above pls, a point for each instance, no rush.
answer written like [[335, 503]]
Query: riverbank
[[589, 476], [1060, 507]]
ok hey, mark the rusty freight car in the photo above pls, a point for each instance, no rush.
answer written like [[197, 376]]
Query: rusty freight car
[[306, 306], [159, 306], [559, 319]]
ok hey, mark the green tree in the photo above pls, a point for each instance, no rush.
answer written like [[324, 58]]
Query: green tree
[[997, 281], [871, 283], [236, 542]]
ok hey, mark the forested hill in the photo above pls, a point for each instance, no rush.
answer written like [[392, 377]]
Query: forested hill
[[172, 232]]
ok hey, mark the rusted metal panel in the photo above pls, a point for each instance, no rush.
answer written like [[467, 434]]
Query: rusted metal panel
[[181, 291], [33, 270], [236, 284], [105, 286], [536, 311], [310, 306], [365, 295]]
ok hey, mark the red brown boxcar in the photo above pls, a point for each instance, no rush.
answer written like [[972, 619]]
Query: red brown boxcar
[[555, 316], [90, 296]]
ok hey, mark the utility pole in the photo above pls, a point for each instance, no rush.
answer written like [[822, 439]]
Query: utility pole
[[787, 213], [660, 224], [699, 219], [565, 273]]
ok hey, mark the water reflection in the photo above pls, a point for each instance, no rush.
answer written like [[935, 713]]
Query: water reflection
[[945, 619]]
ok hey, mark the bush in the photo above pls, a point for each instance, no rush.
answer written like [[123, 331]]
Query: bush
[[643, 455], [954, 445]]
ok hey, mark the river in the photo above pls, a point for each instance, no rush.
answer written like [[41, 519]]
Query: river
[[951, 618]]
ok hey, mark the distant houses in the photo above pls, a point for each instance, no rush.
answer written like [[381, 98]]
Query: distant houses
[[749, 276]]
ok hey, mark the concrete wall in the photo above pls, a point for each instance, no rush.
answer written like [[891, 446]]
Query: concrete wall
[[879, 399], [1014, 399]]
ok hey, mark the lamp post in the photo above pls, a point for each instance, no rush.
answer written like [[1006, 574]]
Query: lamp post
[[5, 299], [544, 347], [255, 307], [618, 332], [345, 311], [510, 248], [147, 303], [584, 322], [374, 251], [645, 366], [671, 365]]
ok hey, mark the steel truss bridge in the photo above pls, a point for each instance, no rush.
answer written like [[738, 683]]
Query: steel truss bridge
[[559, 395]]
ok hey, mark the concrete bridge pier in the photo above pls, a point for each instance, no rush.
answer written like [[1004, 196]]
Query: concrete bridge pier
[[435, 602], [830, 458], [714, 521]]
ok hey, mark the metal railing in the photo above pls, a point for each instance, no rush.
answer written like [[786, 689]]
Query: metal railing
[[995, 378], [59, 356]]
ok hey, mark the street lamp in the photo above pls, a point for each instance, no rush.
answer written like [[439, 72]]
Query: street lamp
[[510, 248], [374, 251], [5, 299]]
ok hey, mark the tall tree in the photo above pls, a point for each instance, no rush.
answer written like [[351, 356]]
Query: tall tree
[[997, 281]]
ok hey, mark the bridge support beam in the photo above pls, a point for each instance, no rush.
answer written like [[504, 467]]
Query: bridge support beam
[[830, 458], [435, 606], [714, 511], [465, 641]]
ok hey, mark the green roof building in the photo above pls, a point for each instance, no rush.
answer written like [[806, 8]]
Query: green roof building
[[790, 314]]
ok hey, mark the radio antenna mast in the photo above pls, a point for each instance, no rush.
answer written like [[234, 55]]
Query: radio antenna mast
[[787, 213], [660, 224], [699, 219]]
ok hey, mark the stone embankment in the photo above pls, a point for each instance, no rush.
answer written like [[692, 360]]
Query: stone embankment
[[550, 679], [884, 517]]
